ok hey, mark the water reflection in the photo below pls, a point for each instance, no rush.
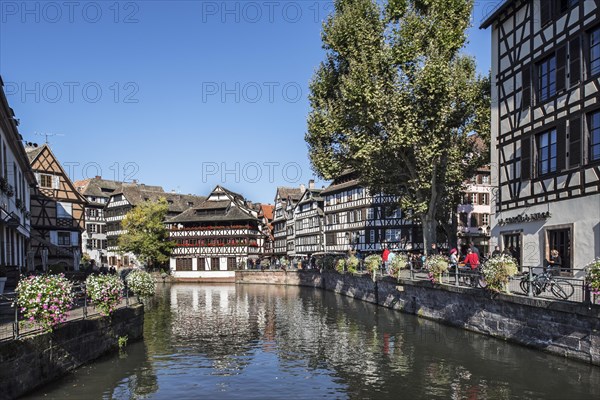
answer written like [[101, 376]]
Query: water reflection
[[227, 341]]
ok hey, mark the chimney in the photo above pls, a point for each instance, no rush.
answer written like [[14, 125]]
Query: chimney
[[302, 188], [311, 184], [98, 177]]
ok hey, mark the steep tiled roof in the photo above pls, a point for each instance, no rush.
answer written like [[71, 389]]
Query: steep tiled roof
[[33, 152], [292, 193], [196, 215], [138, 193], [345, 180], [267, 211], [97, 187]]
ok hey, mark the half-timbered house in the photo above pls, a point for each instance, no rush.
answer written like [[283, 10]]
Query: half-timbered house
[[266, 217], [355, 219], [97, 191], [546, 129], [216, 237], [283, 225], [123, 200], [308, 221], [16, 180], [474, 212], [57, 212]]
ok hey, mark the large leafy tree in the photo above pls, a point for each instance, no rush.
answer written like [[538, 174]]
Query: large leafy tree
[[146, 235], [396, 101]]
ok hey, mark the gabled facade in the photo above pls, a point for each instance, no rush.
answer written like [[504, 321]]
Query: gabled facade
[[16, 180], [283, 224], [123, 200], [474, 212], [57, 212], [546, 129], [308, 223], [265, 216], [355, 219], [216, 237], [97, 192]]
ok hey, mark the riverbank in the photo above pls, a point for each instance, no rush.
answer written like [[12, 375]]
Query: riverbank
[[566, 329], [33, 361]]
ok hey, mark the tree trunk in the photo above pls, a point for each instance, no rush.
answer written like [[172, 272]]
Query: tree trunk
[[429, 232]]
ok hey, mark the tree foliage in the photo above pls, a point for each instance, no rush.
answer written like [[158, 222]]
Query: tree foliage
[[146, 235], [396, 101]]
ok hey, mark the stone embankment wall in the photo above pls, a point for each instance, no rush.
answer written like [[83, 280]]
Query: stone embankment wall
[[566, 329], [33, 361]]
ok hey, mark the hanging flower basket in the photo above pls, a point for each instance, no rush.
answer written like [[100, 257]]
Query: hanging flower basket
[[141, 283], [45, 300], [104, 291], [436, 265], [593, 278], [497, 272]]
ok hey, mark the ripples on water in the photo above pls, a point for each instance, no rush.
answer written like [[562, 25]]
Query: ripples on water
[[275, 342]]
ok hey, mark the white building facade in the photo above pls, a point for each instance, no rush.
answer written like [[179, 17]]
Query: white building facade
[[546, 130]]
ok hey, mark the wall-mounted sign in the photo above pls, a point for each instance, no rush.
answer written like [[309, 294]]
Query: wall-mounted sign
[[525, 218]]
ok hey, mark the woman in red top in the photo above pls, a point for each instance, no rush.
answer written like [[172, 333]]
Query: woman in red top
[[471, 260]]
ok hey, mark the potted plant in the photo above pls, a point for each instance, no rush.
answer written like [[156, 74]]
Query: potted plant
[[436, 265], [3, 278], [497, 272]]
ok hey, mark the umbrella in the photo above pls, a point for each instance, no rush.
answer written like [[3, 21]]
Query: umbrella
[[44, 259]]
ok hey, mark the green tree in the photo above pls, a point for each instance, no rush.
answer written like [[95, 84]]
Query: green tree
[[396, 101], [146, 235]]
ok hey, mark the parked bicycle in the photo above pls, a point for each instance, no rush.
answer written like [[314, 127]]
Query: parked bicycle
[[469, 277], [561, 288]]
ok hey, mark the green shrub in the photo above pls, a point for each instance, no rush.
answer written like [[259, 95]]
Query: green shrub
[[56, 269]]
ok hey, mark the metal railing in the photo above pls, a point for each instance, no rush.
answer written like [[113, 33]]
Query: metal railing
[[13, 325], [522, 284]]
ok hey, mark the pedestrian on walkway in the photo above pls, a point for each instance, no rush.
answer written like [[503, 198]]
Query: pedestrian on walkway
[[472, 259]]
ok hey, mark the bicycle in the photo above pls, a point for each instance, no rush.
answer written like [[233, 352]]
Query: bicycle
[[561, 288], [470, 277]]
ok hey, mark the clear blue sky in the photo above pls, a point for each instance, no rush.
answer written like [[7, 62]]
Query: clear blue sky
[[183, 94]]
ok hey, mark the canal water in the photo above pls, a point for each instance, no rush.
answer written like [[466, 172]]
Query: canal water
[[277, 342]]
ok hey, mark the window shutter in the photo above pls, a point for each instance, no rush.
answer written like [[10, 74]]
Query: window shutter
[[38, 178], [574, 61], [526, 84], [74, 239], [545, 11], [54, 237], [55, 182], [526, 158], [561, 68], [561, 145], [575, 142]]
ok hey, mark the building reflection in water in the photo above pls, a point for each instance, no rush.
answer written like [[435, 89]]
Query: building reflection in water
[[258, 341]]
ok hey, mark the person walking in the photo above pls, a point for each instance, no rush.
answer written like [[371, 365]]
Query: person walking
[[384, 257]]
